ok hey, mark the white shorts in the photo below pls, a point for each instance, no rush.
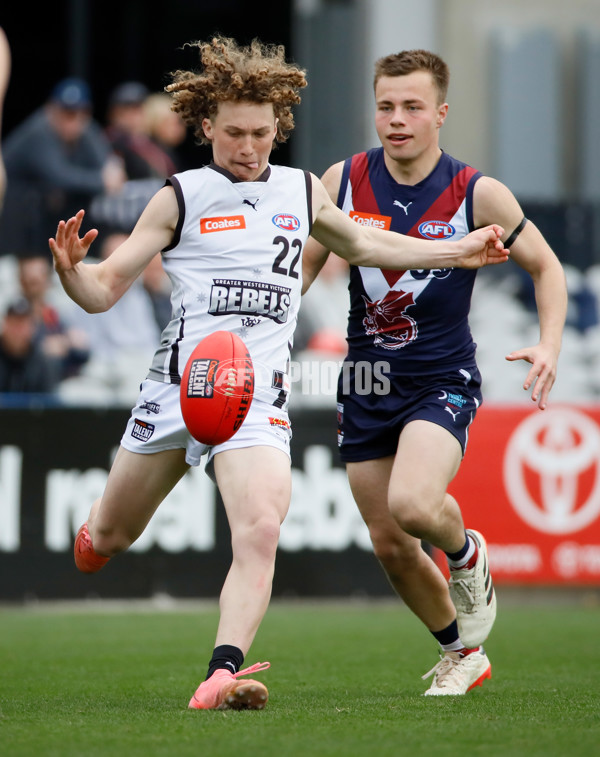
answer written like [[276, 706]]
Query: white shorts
[[156, 424]]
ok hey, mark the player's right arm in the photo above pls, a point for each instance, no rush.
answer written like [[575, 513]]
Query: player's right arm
[[367, 246], [96, 288], [315, 254]]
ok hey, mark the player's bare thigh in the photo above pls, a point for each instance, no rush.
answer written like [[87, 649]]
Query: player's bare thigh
[[369, 481], [253, 481], [136, 486], [427, 459]]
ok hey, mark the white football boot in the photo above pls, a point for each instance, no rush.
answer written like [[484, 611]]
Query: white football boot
[[474, 598], [455, 675]]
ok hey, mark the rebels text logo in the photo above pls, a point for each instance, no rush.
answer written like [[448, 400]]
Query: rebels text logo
[[233, 296], [222, 223], [552, 471]]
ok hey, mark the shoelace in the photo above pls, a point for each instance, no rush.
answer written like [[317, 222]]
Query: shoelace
[[462, 587], [252, 669], [444, 670]]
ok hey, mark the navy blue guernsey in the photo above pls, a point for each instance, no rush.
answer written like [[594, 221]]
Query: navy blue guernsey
[[416, 320]]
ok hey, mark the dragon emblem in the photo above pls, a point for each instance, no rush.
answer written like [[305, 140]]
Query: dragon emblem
[[387, 322]]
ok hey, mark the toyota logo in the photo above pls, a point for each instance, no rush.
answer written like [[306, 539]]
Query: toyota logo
[[552, 470]]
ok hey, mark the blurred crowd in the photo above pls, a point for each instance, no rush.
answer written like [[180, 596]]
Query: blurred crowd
[[58, 160]]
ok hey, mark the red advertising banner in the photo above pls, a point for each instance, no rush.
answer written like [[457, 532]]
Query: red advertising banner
[[530, 482]]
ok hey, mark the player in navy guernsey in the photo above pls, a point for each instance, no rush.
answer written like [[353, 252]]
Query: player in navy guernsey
[[231, 236], [403, 447]]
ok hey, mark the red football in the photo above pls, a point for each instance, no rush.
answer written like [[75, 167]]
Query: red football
[[217, 387]]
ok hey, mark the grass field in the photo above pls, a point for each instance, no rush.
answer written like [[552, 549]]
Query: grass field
[[345, 680]]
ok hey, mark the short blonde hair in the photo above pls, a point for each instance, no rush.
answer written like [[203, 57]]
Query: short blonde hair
[[408, 61]]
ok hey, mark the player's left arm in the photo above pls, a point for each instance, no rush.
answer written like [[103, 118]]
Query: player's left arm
[[493, 202]]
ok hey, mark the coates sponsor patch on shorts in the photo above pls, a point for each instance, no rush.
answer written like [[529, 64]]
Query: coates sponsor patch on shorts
[[201, 380], [286, 222], [222, 223], [371, 219], [142, 430]]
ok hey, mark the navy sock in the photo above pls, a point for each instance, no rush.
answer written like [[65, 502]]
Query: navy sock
[[465, 557], [458, 556], [448, 638], [225, 656]]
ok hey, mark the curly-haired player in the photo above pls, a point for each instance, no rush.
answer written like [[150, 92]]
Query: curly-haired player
[[231, 236]]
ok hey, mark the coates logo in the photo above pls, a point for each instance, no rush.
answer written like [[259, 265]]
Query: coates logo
[[552, 471], [371, 219], [286, 222], [436, 230], [222, 223]]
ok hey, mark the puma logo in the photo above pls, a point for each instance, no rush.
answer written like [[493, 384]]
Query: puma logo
[[252, 204], [453, 414], [404, 207]]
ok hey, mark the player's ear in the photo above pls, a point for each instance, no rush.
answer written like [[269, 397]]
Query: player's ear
[[207, 128], [441, 115]]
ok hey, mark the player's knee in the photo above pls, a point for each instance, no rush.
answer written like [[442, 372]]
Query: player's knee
[[387, 548], [414, 514], [257, 539]]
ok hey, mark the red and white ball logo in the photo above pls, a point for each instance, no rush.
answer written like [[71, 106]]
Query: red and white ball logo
[[552, 471]]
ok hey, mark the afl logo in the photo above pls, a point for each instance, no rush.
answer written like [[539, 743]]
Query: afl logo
[[286, 222], [436, 230]]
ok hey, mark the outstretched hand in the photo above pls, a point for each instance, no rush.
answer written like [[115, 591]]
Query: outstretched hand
[[483, 247], [542, 373], [67, 248]]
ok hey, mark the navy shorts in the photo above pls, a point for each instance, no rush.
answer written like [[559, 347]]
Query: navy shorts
[[370, 422]]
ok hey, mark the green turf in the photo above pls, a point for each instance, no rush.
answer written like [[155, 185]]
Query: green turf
[[345, 680]]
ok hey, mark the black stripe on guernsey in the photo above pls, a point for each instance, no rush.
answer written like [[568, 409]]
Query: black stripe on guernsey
[[172, 181], [234, 179], [515, 233], [174, 361], [281, 398], [308, 180]]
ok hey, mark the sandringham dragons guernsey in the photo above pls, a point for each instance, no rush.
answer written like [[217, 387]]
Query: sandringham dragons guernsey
[[416, 319]]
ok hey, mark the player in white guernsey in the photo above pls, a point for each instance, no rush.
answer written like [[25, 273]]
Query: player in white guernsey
[[231, 236], [402, 450]]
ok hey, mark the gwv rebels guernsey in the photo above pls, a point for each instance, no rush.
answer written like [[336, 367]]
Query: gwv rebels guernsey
[[235, 264], [416, 320]]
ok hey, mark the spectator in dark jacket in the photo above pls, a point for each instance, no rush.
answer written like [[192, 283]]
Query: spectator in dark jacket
[[23, 365], [56, 161]]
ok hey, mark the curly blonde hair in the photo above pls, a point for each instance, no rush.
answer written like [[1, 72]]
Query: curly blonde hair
[[256, 73]]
